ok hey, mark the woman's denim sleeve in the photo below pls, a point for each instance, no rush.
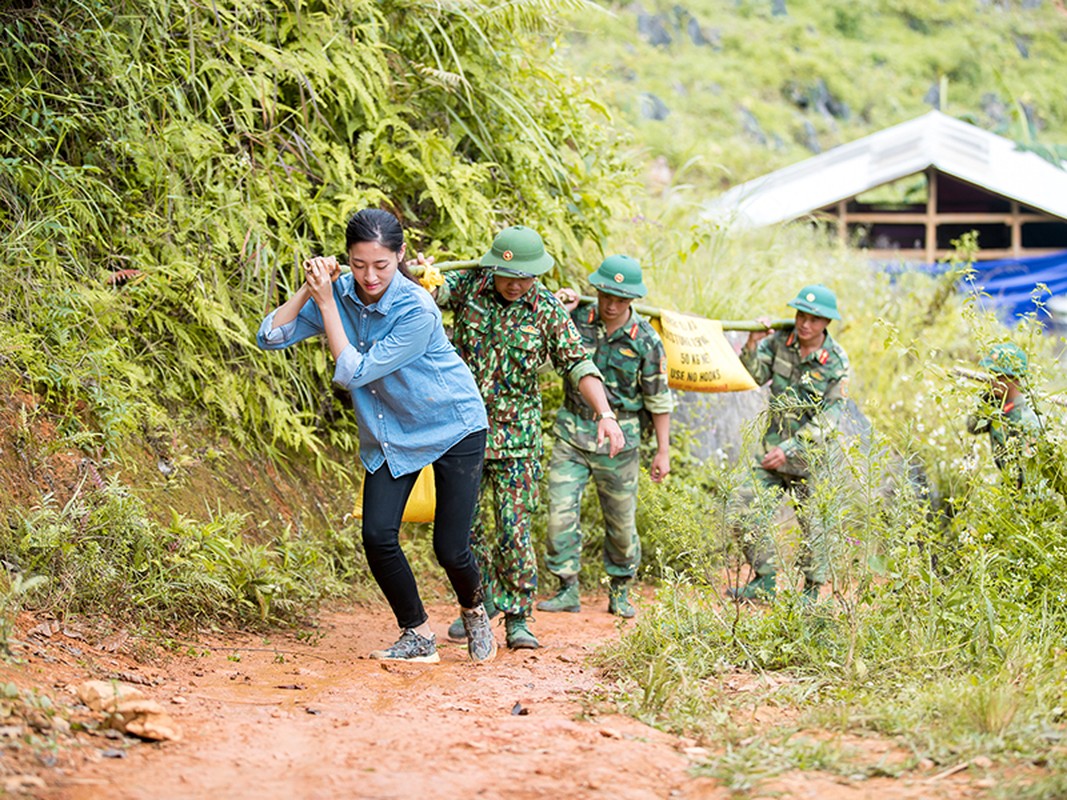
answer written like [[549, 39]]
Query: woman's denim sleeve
[[308, 323]]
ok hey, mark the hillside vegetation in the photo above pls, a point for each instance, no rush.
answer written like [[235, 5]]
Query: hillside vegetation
[[726, 90], [945, 626], [164, 169]]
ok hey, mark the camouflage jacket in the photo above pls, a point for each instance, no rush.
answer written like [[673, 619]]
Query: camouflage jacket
[[504, 345], [1013, 431], [634, 367], [808, 395]]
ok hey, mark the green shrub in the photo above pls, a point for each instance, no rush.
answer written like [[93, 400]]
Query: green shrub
[[102, 554], [167, 168]]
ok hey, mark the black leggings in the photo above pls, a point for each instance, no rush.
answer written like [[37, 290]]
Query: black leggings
[[456, 476]]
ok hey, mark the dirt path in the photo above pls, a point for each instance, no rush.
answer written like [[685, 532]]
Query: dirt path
[[361, 728], [281, 718]]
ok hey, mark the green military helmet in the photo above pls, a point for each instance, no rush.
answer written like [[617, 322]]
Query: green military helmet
[[620, 276], [1006, 358], [518, 252], [818, 300]]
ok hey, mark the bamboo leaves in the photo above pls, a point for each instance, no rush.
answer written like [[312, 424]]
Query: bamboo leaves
[[213, 146]]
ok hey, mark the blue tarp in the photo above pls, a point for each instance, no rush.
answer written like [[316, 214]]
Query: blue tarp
[[1020, 286], [1013, 287]]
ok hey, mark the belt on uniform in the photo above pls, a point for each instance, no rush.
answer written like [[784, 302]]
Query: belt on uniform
[[585, 412]]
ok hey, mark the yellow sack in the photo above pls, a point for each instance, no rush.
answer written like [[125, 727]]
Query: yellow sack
[[699, 358], [422, 502]]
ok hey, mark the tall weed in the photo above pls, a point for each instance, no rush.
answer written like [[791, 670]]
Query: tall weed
[[945, 619], [165, 168]]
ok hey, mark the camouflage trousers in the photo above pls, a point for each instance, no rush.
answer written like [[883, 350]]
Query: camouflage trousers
[[762, 497], [616, 483], [508, 562]]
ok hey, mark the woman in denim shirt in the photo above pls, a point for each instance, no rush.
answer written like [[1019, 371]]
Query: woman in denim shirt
[[416, 404]]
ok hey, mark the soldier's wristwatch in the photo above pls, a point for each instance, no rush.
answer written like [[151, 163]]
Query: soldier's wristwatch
[[609, 414]]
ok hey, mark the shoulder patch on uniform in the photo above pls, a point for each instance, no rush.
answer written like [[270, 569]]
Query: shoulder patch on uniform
[[663, 366], [592, 314]]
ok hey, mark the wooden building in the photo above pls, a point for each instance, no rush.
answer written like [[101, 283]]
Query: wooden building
[[903, 194]]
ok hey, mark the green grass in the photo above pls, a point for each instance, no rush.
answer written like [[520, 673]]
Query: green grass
[[101, 553], [877, 61]]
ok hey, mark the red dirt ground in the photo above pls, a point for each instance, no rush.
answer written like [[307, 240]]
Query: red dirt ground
[[281, 718]]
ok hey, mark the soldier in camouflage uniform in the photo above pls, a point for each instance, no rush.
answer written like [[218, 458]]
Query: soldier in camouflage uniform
[[1005, 414], [808, 373], [505, 326], [629, 354]]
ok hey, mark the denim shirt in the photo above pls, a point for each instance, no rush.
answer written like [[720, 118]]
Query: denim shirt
[[414, 397]]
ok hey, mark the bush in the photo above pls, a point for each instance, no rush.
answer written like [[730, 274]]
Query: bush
[[102, 554]]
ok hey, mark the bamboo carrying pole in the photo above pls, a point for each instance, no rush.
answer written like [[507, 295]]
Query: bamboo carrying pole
[[985, 377], [727, 324], [648, 311], [973, 374]]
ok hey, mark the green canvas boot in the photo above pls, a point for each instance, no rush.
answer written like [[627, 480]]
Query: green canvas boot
[[566, 599], [619, 600], [762, 587], [519, 636]]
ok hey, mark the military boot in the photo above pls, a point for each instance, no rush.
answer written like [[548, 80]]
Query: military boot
[[519, 636], [619, 600], [566, 599], [762, 587], [458, 633]]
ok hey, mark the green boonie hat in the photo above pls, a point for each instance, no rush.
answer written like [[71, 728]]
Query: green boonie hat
[[518, 252], [818, 300], [1006, 358], [620, 276]]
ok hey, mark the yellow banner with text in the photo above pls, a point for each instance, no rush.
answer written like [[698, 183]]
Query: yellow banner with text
[[699, 358]]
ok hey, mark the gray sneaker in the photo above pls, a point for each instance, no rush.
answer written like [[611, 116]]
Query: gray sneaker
[[457, 631], [410, 647], [481, 644]]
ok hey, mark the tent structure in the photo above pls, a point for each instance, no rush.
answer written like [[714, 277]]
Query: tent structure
[[968, 179], [904, 193]]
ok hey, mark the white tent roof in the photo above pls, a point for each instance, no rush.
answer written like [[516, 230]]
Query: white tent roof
[[934, 139]]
